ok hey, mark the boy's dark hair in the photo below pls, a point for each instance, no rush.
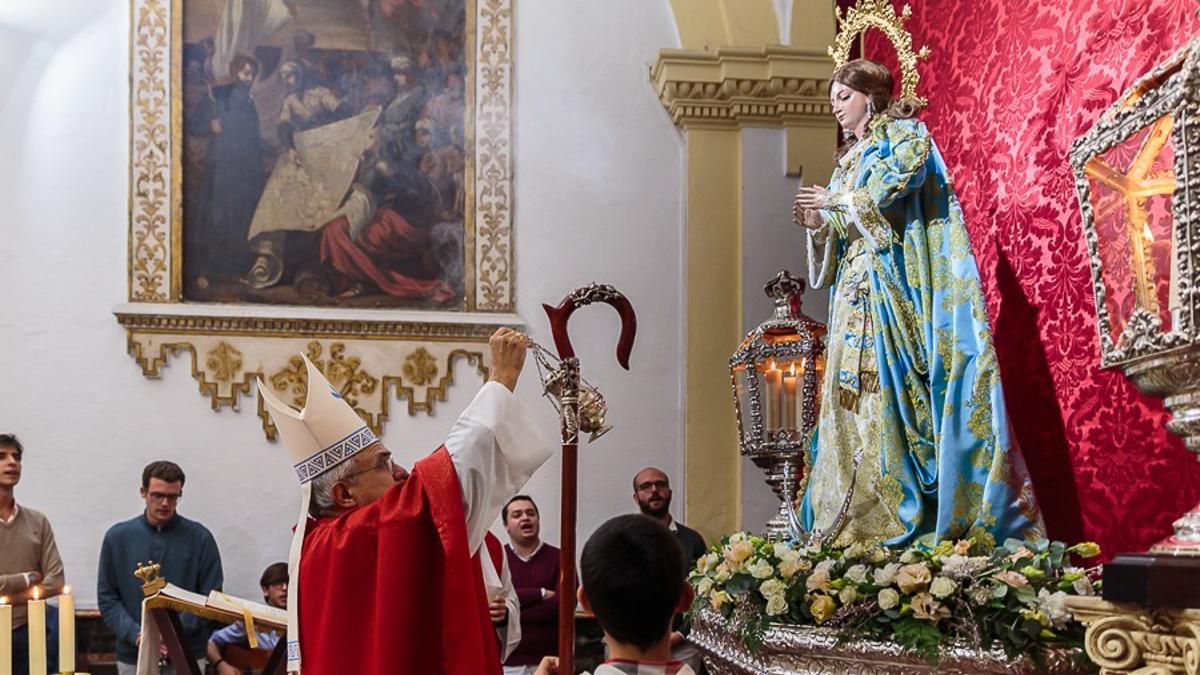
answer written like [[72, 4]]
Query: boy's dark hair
[[518, 498], [163, 470], [10, 441], [276, 573], [632, 571]]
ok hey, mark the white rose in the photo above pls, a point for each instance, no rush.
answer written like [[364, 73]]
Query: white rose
[[1083, 586], [761, 569], [886, 575], [704, 586], [857, 574], [818, 580], [908, 557], [776, 605], [771, 588], [737, 536], [826, 565], [708, 562], [888, 598], [786, 553], [722, 576], [847, 595], [1054, 606], [780, 549], [942, 588]]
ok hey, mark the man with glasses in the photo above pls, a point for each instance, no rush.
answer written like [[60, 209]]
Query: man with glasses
[[386, 563], [652, 494], [185, 549]]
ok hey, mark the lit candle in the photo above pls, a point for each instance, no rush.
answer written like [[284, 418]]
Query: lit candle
[[37, 633], [771, 397], [66, 631], [5, 637], [789, 398]]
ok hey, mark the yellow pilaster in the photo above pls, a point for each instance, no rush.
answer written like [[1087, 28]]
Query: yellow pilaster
[[701, 23], [731, 73], [714, 317]]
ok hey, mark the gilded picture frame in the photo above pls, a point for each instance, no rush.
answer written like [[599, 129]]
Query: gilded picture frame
[[374, 355]]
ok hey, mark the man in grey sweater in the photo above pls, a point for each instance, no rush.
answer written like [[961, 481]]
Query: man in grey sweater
[[185, 549], [29, 558]]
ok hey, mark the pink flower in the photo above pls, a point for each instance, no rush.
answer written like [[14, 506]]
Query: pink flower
[[924, 606], [1014, 579], [913, 577]]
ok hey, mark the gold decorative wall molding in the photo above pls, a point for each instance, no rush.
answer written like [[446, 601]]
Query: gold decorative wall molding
[[733, 87], [370, 374], [1124, 638]]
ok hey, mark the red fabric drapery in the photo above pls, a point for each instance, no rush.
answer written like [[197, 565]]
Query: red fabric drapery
[[1011, 84]]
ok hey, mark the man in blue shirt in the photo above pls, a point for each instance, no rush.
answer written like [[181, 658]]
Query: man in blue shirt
[[274, 584], [185, 549]]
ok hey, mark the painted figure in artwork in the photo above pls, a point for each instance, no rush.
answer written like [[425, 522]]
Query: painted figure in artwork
[[234, 175], [913, 441]]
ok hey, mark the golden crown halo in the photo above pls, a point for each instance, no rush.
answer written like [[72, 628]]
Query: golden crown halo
[[881, 15]]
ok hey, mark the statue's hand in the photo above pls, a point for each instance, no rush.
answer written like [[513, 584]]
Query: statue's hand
[[812, 220], [813, 197]]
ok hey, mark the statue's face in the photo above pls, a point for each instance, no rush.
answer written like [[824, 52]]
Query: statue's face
[[849, 106]]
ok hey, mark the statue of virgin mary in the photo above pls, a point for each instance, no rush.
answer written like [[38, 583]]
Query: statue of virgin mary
[[913, 442]]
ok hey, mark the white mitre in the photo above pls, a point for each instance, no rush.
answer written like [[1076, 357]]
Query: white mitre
[[324, 434]]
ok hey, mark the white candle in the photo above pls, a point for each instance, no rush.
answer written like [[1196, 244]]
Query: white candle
[[789, 398], [772, 398], [5, 637], [37, 633], [66, 631]]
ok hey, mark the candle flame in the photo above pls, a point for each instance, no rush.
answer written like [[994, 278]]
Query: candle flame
[[1147, 233], [3, 600], [793, 369], [66, 590], [37, 592]]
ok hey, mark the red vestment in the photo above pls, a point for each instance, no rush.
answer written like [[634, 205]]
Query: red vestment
[[387, 253], [391, 588]]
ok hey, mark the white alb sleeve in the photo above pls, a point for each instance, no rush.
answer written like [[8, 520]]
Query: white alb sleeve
[[495, 448]]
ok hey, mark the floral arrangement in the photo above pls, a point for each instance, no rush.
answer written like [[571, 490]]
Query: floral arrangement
[[968, 592]]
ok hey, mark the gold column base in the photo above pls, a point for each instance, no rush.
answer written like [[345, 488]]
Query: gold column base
[[1137, 639]]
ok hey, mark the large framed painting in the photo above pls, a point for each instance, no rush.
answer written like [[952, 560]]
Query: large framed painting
[[329, 176]]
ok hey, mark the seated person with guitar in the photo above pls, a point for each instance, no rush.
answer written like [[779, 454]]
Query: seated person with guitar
[[229, 648]]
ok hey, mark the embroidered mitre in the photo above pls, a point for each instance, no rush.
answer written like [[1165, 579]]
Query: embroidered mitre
[[324, 434]]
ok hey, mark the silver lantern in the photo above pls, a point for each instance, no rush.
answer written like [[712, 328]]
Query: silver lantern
[[776, 376], [1138, 176]]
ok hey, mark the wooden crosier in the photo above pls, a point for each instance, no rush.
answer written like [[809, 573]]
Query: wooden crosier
[[569, 398]]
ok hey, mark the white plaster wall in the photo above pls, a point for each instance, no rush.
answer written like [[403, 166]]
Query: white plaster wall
[[770, 243], [598, 197]]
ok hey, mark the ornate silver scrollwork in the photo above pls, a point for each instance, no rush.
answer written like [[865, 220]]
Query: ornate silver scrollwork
[[813, 650], [562, 384]]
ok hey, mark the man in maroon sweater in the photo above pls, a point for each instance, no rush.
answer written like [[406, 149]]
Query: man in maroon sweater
[[534, 566]]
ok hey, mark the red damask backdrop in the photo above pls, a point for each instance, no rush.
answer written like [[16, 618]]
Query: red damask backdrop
[[1011, 84]]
